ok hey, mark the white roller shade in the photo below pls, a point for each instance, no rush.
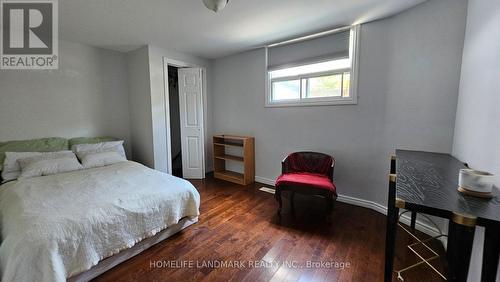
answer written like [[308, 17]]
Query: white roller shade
[[333, 46]]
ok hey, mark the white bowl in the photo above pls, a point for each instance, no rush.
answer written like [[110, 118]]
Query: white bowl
[[475, 180]]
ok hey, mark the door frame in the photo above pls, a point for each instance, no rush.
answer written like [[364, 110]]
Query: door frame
[[180, 64]]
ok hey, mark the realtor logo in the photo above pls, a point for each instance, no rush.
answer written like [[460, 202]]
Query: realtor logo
[[29, 34]]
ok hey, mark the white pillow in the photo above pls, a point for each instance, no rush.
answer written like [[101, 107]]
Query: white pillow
[[48, 164], [12, 170], [90, 160], [83, 149]]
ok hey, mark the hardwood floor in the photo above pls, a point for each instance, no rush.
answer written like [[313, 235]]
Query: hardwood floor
[[238, 224]]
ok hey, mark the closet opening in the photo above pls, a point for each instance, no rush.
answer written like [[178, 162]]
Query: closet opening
[[175, 122]]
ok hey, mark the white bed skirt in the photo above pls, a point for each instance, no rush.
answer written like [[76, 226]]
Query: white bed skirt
[[110, 262]]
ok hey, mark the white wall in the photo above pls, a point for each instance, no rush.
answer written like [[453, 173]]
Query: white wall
[[408, 84], [477, 131], [140, 106], [477, 128], [86, 96]]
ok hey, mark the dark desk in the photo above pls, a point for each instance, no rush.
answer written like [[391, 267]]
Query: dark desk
[[427, 183]]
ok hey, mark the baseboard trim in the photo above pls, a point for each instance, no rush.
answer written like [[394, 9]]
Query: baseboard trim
[[263, 180], [406, 219]]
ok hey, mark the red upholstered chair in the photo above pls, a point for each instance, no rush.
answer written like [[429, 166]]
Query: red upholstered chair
[[307, 173]]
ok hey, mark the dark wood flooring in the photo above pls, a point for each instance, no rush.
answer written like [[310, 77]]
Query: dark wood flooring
[[239, 223]]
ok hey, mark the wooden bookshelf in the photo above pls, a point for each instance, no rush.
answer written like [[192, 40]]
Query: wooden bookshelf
[[239, 149]]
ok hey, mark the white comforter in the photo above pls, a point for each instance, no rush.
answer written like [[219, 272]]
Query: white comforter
[[54, 227]]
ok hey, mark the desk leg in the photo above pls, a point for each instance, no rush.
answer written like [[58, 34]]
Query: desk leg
[[460, 239], [413, 219], [391, 228], [491, 253], [390, 241]]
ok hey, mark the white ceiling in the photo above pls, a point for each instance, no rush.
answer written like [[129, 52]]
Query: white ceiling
[[187, 26]]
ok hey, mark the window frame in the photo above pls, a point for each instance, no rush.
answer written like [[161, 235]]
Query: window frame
[[320, 101], [307, 76]]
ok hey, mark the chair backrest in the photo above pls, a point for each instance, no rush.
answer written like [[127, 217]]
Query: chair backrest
[[309, 162]]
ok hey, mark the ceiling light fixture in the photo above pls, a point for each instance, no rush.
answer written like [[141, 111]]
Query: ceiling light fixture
[[215, 5]]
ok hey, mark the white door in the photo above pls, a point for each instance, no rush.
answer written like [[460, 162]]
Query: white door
[[191, 112]]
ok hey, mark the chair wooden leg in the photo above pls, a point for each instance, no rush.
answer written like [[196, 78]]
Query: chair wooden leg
[[280, 203], [328, 204], [329, 208], [332, 202]]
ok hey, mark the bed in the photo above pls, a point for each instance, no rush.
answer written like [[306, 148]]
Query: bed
[[76, 225]]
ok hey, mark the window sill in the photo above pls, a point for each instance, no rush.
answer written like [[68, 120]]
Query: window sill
[[310, 103]]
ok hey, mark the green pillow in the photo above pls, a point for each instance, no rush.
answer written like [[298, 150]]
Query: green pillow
[[90, 140], [35, 145]]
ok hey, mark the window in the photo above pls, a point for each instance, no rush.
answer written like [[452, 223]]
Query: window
[[319, 71]]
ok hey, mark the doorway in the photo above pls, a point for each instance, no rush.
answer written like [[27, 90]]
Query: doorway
[[175, 121], [185, 101]]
